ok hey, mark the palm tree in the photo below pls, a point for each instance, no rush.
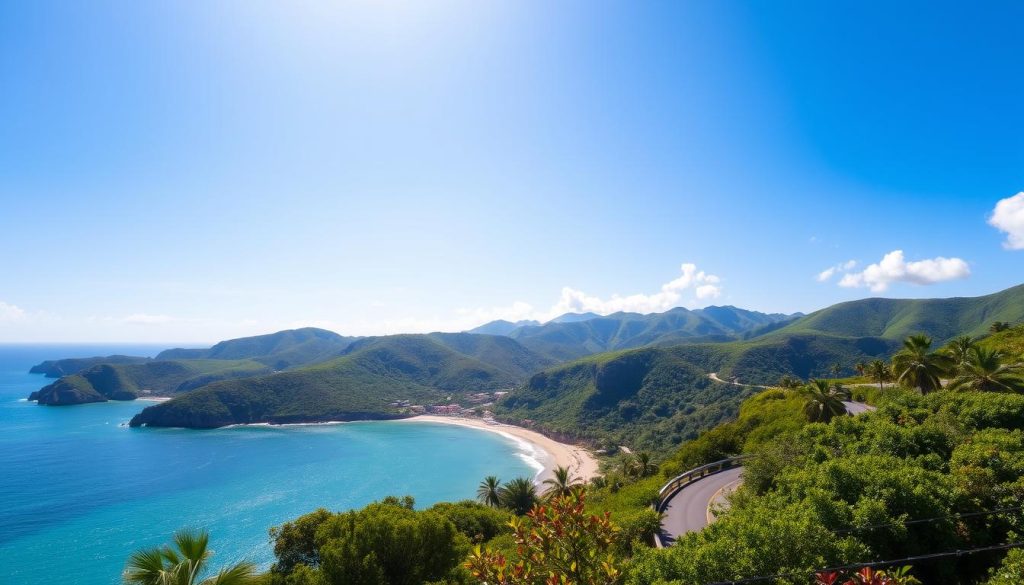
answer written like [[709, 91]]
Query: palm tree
[[861, 367], [641, 465], [916, 366], [836, 369], [824, 400], [998, 326], [959, 350], [184, 566], [984, 370], [880, 372], [519, 495], [789, 382], [560, 484], [489, 491]]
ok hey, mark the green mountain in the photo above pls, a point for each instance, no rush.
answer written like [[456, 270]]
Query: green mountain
[[655, 397], [104, 382], [574, 338], [68, 366], [942, 319], [363, 384], [650, 398], [281, 350], [502, 327]]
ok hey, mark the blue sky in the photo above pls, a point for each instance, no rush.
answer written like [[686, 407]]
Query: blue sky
[[195, 171]]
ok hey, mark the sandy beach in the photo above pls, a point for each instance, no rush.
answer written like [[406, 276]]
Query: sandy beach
[[580, 461]]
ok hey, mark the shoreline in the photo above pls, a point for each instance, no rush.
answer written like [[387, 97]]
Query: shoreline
[[580, 462]]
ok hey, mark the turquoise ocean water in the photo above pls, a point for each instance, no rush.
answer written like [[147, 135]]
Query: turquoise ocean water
[[79, 490]]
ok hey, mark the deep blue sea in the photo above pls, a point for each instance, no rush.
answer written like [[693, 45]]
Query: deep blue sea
[[79, 490]]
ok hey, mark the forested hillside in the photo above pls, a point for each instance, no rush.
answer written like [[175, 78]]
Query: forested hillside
[[363, 384]]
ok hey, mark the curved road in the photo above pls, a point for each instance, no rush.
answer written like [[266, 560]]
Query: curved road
[[688, 510]]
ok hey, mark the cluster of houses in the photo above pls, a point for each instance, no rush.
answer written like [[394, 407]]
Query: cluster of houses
[[479, 402]]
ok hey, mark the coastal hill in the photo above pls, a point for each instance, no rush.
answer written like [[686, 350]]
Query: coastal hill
[[152, 378], [378, 378], [281, 350], [175, 371], [69, 366]]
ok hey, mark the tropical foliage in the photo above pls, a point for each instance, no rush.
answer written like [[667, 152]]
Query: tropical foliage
[[983, 369], [560, 484], [917, 366], [824, 400], [489, 491], [556, 543], [519, 495], [187, 563]]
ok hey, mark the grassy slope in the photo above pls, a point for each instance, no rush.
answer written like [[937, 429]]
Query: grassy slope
[[1010, 341], [942, 319], [359, 385]]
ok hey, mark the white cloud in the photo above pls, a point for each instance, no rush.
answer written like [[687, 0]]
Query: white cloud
[[894, 268], [688, 289], [831, 271], [1008, 216], [704, 286], [9, 312]]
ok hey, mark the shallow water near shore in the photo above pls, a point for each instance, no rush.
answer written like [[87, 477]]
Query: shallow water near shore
[[77, 479]]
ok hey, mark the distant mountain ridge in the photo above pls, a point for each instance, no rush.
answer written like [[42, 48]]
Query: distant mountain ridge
[[502, 327], [569, 338], [280, 350]]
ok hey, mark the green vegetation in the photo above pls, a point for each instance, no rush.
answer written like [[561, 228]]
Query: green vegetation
[[150, 378], [385, 543], [186, 564], [1009, 340], [361, 385], [838, 493]]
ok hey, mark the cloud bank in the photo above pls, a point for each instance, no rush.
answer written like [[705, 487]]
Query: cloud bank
[[9, 312], [690, 288], [831, 271], [1008, 217], [895, 268]]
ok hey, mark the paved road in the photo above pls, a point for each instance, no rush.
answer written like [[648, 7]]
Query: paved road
[[856, 408], [687, 511]]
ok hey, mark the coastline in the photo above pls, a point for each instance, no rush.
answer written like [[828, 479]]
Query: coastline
[[580, 462]]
